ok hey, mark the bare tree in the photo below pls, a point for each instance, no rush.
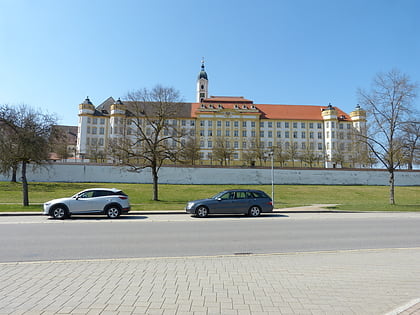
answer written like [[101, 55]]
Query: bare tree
[[389, 104], [154, 137], [411, 138], [292, 152], [222, 151], [309, 156], [190, 151], [29, 134]]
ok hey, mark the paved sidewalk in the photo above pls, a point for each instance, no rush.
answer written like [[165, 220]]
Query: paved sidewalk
[[339, 282]]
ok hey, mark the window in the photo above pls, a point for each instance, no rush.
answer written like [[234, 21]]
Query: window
[[319, 146], [202, 123], [253, 124], [209, 144], [236, 123], [348, 126], [262, 133], [244, 145], [210, 133], [219, 123], [311, 125], [88, 129], [340, 126], [319, 125], [295, 134], [270, 134], [333, 124], [253, 133], [302, 125], [201, 133], [94, 130], [101, 130], [270, 124], [303, 135], [319, 135], [102, 121], [236, 144], [278, 124], [261, 124], [210, 123], [219, 133], [192, 123], [201, 144], [227, 133], [303, 146], [89, 120], [270, 144], [183, 122], [295, 125], [311, 135], [244, 124], [286, 125], [286, 134], [243, 133], [278, 134], [236, 133], [227, 123]]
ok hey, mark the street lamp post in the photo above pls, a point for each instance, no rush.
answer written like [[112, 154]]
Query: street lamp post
[[272, 176]]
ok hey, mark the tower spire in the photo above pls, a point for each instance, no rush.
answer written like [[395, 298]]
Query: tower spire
[[202, 83]]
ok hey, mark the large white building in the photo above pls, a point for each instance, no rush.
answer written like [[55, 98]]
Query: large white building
[[297, 135]]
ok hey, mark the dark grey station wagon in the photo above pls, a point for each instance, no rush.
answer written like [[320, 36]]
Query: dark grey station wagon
[[236, 201]]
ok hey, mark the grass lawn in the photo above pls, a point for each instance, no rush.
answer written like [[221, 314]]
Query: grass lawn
[[174, 197]]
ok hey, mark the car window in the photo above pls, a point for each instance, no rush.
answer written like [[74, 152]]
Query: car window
[[241, 195], [259, 194], [228, 195], [86, 194], [102, 193]]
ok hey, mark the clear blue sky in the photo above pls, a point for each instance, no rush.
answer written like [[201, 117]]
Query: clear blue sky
[[54, 53]]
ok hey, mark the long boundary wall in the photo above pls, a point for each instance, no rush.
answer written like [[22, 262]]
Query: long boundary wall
[[207, 175]]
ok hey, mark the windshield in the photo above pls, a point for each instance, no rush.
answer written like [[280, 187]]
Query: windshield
[[218, 195]]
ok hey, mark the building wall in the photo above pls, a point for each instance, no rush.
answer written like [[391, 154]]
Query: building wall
[[215, 176]]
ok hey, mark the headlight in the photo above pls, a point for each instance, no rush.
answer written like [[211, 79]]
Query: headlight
[[190, 205]]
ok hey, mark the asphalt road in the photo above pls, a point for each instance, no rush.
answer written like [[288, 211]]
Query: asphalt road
[[38, 238]]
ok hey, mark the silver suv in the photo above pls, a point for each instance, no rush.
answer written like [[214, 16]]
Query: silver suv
[[110, 201]]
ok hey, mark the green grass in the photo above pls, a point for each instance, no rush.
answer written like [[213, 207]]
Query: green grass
[[174, 197]]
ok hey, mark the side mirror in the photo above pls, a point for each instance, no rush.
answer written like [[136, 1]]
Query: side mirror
[[219, 199]]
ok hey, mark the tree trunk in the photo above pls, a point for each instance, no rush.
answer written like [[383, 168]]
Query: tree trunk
[[155, 183], [24, 185], [391, 187], [14, 171]]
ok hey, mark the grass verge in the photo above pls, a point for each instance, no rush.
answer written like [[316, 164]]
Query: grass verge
[[174, 197]]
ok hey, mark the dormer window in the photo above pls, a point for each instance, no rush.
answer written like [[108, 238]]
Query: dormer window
[[203, 106], [220, 106], [236, 106], [211, 106], [252, 106], [244, 107]]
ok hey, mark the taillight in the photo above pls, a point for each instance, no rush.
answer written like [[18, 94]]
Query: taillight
[[123, 198], [270, 203]]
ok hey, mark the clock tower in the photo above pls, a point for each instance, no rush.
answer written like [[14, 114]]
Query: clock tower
[[202, 84]]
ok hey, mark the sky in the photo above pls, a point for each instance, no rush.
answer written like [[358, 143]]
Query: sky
[[55, 53]]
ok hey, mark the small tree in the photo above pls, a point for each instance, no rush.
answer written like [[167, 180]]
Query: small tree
[[221, 151], [154, 138], [25, 137], [389, 104], [190, 151]]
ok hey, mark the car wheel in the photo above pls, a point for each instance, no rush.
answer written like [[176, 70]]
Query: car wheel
[[202, 212], [59, 212], [113, 212], [254, 211]]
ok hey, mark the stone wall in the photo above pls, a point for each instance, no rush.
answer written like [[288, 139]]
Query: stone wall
[[207, 175]]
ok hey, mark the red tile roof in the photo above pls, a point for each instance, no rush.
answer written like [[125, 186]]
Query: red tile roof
[[268, 111]]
